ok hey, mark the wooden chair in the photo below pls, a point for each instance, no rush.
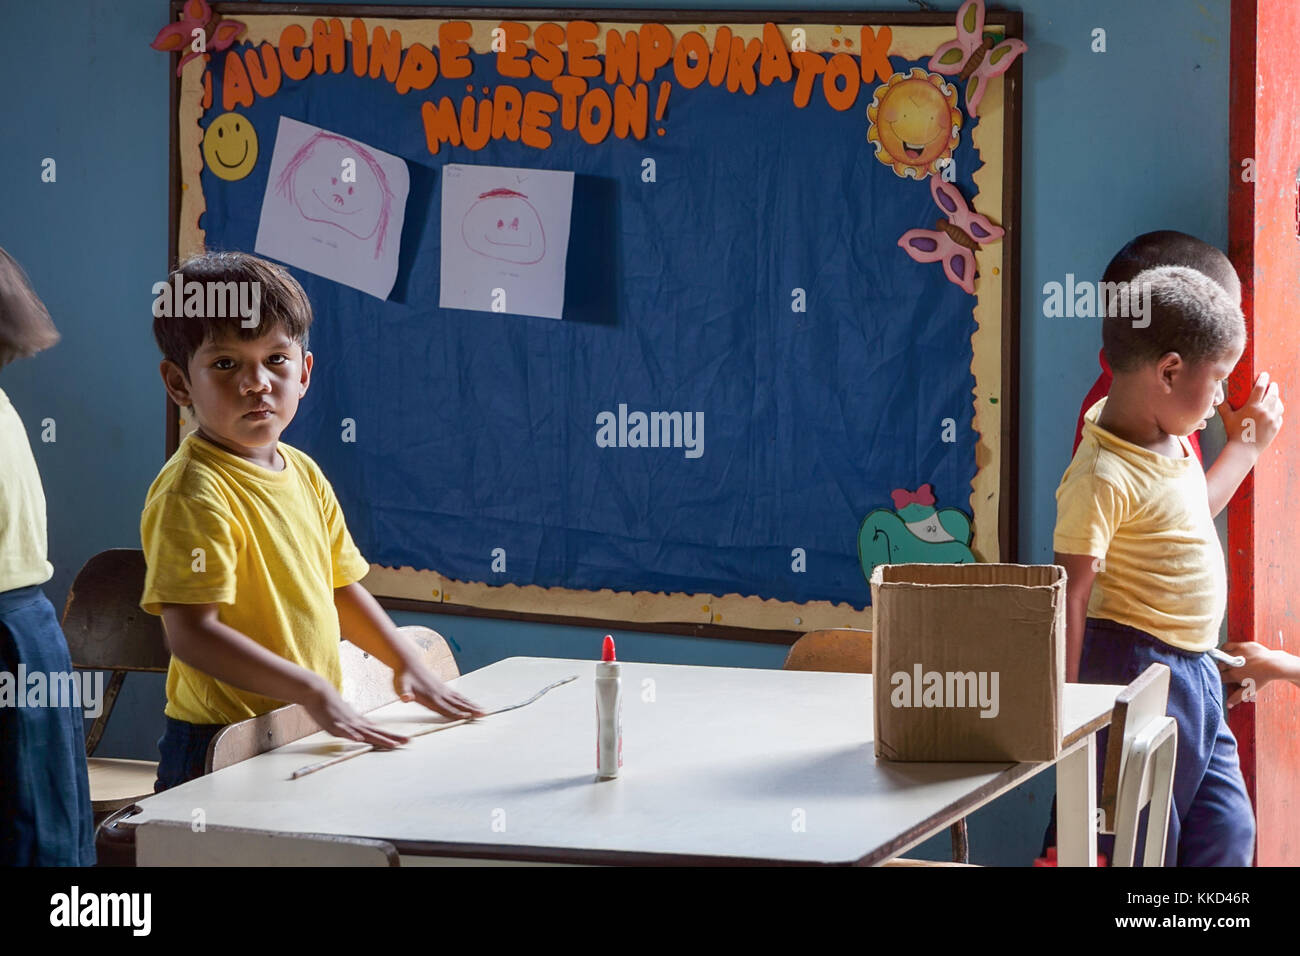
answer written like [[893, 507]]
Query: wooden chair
[[1140, 770], [367, 685], [107, 631], [368, 681], [843, 650], [257, 735], [178, 844], [847, 650]]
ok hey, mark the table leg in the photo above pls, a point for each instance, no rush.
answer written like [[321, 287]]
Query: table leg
[[1076, 805]]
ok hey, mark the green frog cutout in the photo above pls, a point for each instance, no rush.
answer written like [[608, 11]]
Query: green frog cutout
[[914, 532]]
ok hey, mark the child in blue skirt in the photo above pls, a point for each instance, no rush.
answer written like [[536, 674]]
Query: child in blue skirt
[[45, 815]]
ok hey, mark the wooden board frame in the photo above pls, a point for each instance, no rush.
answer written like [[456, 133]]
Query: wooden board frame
[[731, 616]]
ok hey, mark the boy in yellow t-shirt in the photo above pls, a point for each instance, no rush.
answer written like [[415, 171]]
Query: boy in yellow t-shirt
[[250, 563], [1134, 531]]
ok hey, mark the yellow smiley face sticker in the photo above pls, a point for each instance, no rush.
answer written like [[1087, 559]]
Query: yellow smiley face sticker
[[230, 146]]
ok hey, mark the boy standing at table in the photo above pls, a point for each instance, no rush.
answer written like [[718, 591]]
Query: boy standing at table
[[1146, 576], [250, 563]]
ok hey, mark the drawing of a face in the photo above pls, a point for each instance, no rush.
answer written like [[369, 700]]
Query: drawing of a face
[[321, 193], [503, 225], [314, 180]]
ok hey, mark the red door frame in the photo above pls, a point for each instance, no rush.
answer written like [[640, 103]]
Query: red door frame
[[1263, 537]]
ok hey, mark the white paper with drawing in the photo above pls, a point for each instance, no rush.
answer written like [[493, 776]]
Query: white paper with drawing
[[334, 207], [505, 238]]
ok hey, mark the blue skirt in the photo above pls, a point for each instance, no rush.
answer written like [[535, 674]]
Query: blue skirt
[[45, 814]]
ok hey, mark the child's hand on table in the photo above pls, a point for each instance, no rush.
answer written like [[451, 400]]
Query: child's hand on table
[[335, 716], [1262, 666], [415, 682], [1263, 408], [363, 622], [196, 636]]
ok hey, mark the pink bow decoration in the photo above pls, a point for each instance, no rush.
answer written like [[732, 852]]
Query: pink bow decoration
[[219, 34], [922, 496]]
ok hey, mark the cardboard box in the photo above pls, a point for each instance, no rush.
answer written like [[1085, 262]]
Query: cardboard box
[[969, 661]]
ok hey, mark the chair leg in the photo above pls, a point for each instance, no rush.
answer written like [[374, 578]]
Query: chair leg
[[1162, 787], [960, 842], [106, 707], [1134, 780], [1146, 780]]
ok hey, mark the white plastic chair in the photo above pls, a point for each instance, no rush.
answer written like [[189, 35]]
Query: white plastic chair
[[1148, 777], [1140, 771]]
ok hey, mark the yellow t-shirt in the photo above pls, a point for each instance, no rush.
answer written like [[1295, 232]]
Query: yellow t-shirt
[[269, 547], [22, 507], [1148, 517]]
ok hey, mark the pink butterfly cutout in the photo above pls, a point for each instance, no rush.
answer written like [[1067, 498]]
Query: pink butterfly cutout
[[219, 34], [953, 242], [973, 57]]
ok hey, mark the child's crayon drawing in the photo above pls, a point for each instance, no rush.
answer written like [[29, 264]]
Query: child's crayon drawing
[[334, 207], [505, 239], [503, 225], [361, 206]]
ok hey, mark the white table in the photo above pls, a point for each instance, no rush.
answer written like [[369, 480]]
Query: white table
[[721, 765]]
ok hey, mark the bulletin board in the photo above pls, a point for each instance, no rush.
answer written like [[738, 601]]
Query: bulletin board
[[787, 250]]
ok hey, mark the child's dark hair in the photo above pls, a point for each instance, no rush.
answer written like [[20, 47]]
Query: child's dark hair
[[1166, 247], [1185, 312], [282, 304], [25, 324]]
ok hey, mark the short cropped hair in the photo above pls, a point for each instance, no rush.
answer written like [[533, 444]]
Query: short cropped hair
[[283, 305], [1166, 247], [1186, 312], [25, 324]]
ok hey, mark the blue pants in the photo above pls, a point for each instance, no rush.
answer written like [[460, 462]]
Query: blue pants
[[1211, 822], [183, 752], [45, 813]]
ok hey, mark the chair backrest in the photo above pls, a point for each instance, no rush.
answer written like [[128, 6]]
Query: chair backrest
[[434, 651], [107, 629], [257, 735], [368, 681], [1136, 706], [842, 649], [367, 685], [103, 621], [177, 844]]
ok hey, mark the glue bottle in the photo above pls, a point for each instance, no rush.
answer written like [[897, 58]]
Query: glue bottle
[[609, 722]]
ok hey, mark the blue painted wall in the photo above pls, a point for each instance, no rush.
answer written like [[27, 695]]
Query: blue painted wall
[[1114, 144]]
